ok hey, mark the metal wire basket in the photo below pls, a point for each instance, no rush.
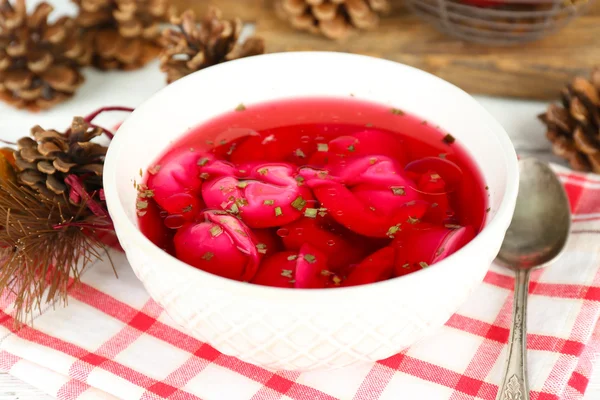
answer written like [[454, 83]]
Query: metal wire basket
[[499, 22]]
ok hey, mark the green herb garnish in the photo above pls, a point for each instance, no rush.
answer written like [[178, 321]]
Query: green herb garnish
[[423, 264], [141, 205], [310, 258], [300, 153], [287, 273], [351, 148], [262, 248], [392, 231], [311, 212], [215, 230], [204, 176], [292, 257], [278, 211], [203, 161], [240, 107], [322, 147], [299, 203], [453, 226], [398, 190], [269, 202], [397, 111], [154, 170], [208, 256]]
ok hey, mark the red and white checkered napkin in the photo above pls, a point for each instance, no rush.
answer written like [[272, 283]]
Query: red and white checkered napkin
[[113, 341]]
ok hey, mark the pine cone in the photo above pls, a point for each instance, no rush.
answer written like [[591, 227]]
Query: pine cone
[[123, 32], [335, 19], [44, 161], [574, 128], [39, 61], [193, 47]]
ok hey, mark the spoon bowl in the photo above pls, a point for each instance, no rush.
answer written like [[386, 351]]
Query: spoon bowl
[[536, 236], [541, 223]]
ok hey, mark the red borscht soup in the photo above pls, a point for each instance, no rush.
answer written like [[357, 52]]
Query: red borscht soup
[[313, 193]]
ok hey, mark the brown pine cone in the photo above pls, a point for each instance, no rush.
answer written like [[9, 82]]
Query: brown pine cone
[[44, 160], [192, 47], [124, 33], [39, 61], [335, 19], [574, 128]]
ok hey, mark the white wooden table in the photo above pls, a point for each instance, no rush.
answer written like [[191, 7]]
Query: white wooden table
[[131, 88]]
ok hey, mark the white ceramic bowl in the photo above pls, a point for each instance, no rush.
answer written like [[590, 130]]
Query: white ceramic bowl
[[308, 329]]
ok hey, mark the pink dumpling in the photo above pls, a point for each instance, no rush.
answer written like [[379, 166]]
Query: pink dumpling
[[340, 250], [371, 197], [428, 245], [263, 195], [268, 241], [376, 267], [221, 245], [278, 270], [369, 142], [272, 148], [176, 183], [302, 269]]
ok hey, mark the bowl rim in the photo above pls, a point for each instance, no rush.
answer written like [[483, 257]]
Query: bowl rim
[[499, 222]]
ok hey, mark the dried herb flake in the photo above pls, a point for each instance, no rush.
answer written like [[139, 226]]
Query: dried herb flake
[[262, 248], [215, 230], [286, 273], [203, 161], [453, 226], [310, 258], [154, 170], [412, 220], [300, 153], [141, 205], [299, 203], [397, 111], [398, 190], [269, 202], [392, 231], [322, 147], [423, 264], [278, 211], [208, 256], [240, 107], [311, 212], [449, 139]]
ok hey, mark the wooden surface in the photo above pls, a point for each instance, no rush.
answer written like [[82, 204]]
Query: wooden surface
[[534, 71]]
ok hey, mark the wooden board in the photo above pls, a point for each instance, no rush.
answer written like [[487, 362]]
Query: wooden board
[[535, 71]]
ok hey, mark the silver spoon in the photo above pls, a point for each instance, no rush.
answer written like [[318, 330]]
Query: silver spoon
[[537, 235]]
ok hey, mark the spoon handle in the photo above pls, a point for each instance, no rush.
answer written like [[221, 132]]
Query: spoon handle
[[514, 385]]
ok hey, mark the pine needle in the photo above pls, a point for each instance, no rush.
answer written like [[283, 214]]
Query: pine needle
[[44, 246]]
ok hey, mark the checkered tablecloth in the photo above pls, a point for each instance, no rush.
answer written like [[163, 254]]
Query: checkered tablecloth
[[113, 341]]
